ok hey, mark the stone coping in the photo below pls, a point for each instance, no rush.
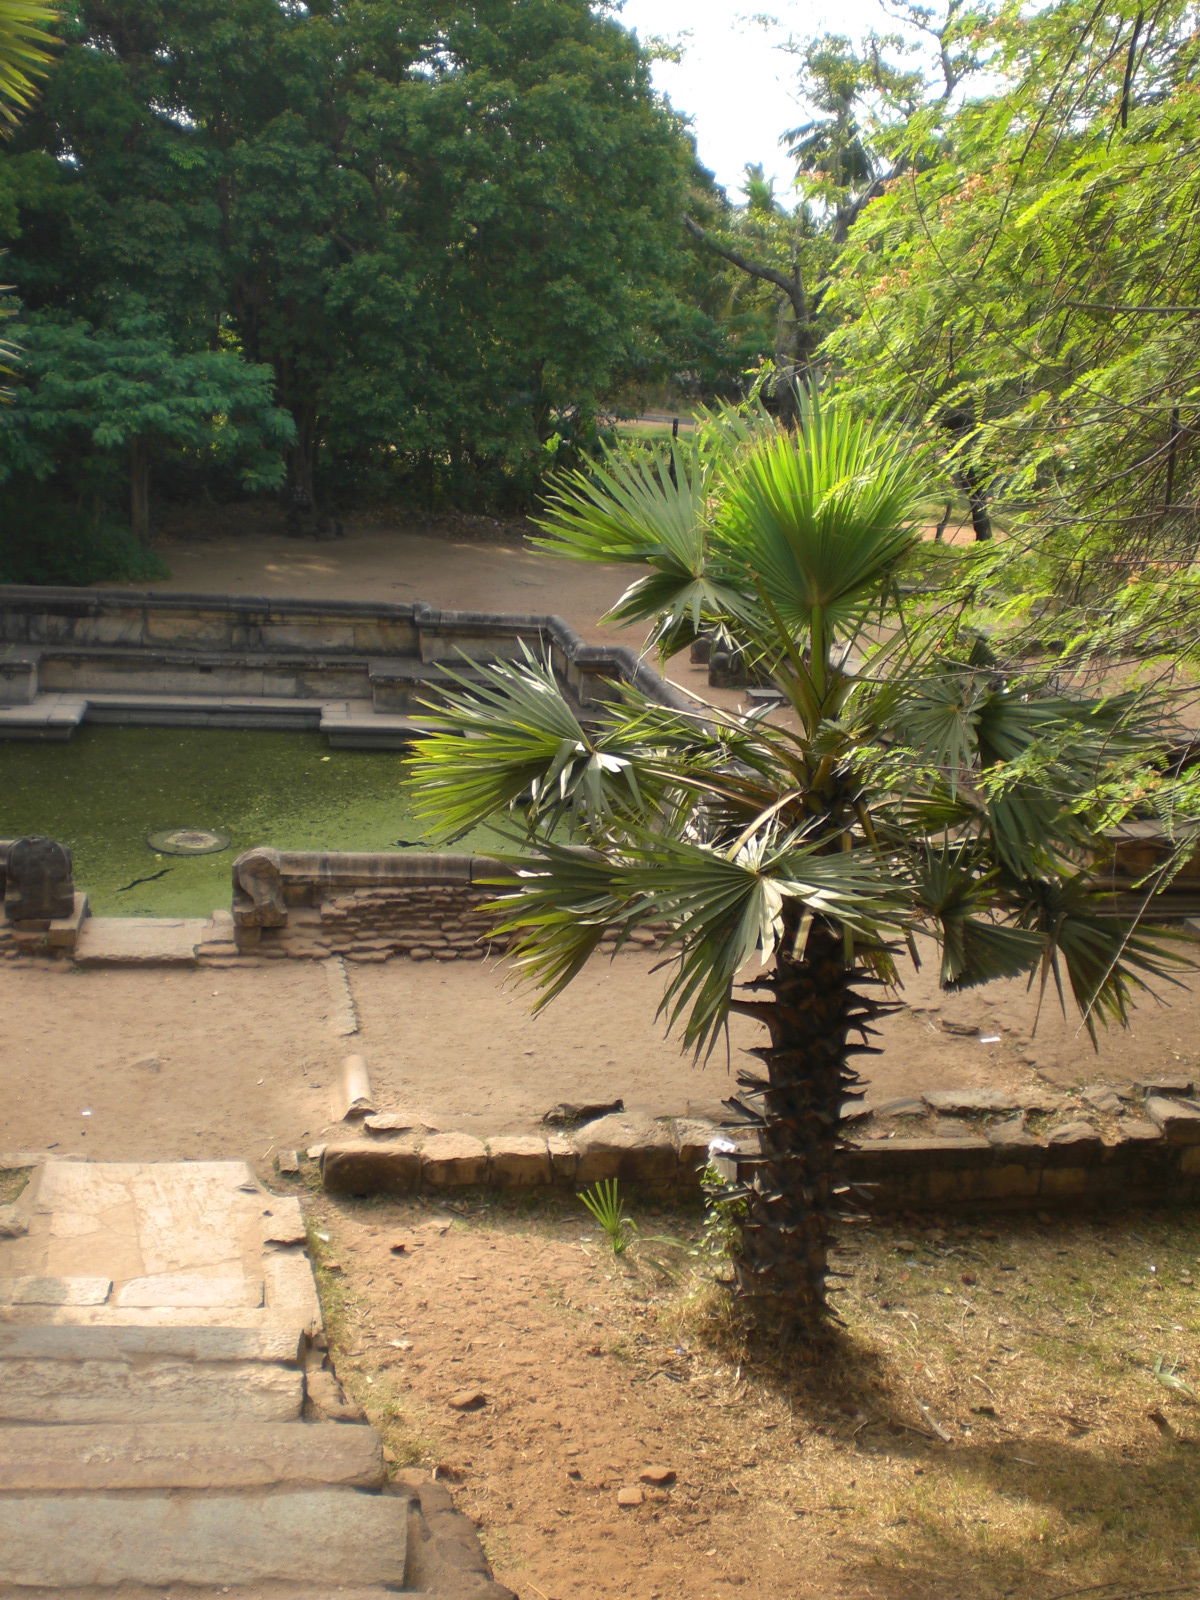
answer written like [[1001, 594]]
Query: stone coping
[[438, 630], [1147, 1158]]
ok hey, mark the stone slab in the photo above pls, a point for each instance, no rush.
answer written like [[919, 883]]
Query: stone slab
[[518, 1160], [1179, 1121], [311, 1536], [289, 1317], [141, 1219], [969, 1102], [283, 1220], [625, 1146], [253, 1591], [190, 1289], [35, 1289], [364, 1168], [189, 1455], [68, 1342], [139, 941], [290, 1290], [152, 1389], [453, 1160]]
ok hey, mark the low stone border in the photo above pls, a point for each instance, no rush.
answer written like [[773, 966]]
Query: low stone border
[[445, 1557], [1134, 1160]]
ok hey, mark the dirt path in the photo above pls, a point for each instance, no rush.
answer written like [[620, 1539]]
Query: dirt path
[[242, 1062]]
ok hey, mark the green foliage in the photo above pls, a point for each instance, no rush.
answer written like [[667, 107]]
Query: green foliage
[[88, 392], [606, 1205], [1028, 286], [47, 541], [781, 260], [447, 234], [731, 832], [926, 791]]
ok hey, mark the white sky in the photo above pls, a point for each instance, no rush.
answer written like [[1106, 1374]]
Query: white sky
[[733, 82]]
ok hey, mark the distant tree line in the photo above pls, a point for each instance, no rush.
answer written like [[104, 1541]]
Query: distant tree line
[[325, 247]]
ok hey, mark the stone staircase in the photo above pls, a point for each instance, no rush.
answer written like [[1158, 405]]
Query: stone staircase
[[161, 1422]]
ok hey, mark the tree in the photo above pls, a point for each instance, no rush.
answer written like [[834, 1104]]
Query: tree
[[1029, 284], [845, 158], [923, 791], [25, 41], [441, 228], [89, 392]]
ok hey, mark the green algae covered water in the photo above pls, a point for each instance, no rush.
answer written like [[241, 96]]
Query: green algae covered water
[[103, 791]]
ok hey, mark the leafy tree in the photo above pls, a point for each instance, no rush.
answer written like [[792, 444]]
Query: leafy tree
[[1029, 285], [440, 228], [25, 42], [924, 791], [863, 97], [90, 393]]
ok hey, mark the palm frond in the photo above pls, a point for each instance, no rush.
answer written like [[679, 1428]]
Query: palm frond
[[646, 512], [26, 50], [822, 520], [726, 909], [510, 738], [559, 903], [952, 891], [1103, 960]]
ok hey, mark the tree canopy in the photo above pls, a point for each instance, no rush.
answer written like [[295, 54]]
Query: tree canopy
[[446, 232], [1029, 285]]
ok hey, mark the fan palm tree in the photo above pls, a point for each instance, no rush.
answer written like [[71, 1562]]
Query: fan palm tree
[[908, 787]]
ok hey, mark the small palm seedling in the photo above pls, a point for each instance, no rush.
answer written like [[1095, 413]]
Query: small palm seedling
[[604, 1202]]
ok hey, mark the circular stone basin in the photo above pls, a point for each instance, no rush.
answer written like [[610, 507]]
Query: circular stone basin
[[187, 842]]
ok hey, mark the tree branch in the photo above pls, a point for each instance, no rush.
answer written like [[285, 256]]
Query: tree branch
[[756, 269]]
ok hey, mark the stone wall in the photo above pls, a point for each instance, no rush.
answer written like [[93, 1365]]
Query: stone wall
[[1151, 1158], [425, 922], [369, 906], [72, 639]]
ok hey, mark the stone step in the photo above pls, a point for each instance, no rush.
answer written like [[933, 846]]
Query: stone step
[[139, 941], [69, 1342], [189, 1455], [223, 1591], [46, 716], [306, 1536], [287, 1319], [151, 1389], [371, 730]]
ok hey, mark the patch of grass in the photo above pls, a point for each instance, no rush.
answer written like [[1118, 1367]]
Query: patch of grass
[[335, 1298], [1005, 1405], [12, 1183]]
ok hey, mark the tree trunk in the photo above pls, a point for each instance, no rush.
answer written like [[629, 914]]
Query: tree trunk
[[782, 1262], [959, 421], [302, 458], [978, 500], [139, 488]]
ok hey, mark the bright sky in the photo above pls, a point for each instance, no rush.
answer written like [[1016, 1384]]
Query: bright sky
[[733, 82]]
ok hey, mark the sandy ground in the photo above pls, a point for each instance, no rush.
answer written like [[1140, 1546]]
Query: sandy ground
[[207, 1063], [400, 566]]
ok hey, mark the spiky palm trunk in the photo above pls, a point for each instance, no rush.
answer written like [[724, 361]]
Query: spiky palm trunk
[[792, 1199]]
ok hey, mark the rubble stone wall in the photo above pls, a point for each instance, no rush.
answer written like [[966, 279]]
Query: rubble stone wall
[[1148, 1159]]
